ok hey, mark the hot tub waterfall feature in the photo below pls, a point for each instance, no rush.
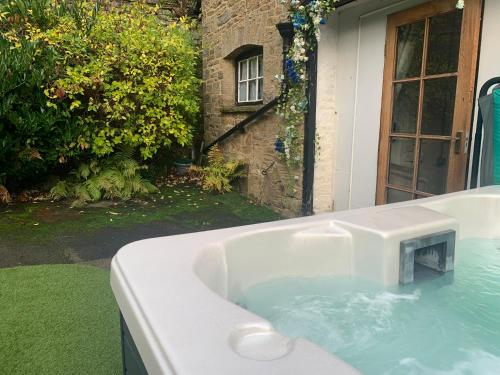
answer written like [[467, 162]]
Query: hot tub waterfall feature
[[319, 295], [435, 251]]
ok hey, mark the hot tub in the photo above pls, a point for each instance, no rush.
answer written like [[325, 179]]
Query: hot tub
[[183, 298]]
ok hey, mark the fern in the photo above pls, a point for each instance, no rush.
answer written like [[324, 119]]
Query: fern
[[83, 171], [81, 193], [218, 174], [61, 190], [93, 189], [117, 177]]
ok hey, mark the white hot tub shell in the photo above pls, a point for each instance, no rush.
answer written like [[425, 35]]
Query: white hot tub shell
[[175, 292]]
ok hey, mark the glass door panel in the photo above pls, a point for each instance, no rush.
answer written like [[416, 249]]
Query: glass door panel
[[439, 106], [401, 162], [405, 113], [395, 196], [433, 166], [410, 47], [444, 43]]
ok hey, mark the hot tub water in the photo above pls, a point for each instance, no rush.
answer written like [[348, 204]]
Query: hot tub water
[[440, 324]]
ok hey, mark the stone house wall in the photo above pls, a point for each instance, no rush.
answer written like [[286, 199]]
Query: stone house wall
[[228, 27]]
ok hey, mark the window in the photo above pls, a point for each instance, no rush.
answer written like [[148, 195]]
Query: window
[[250, 80]]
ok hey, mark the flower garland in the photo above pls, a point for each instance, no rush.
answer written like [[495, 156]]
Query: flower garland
[[307, 16]]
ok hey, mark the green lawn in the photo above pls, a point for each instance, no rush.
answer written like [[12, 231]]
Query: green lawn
[[58, 319]]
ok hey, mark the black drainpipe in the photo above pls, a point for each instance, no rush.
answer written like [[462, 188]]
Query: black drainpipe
[[310, 133]]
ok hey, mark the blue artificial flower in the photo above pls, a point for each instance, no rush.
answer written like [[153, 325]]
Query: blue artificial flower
[[279, 146], [322, 21], [298, 21], [290, 71]]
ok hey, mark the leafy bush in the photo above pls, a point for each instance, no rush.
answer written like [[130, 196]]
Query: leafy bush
[[77, 82], [31, 135], [116, 177], [132, 80], [218, 174]]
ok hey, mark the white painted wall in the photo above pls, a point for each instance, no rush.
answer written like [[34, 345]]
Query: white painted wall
[[326, 118], [350, 75]]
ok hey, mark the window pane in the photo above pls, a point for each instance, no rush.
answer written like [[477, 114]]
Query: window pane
[[410, 50], [401, 162], [252, 96], [242, 92], [420, 196], [433, 166], [405, 111], [243, 70], [261, 89], [439, 106], [444, 43], [261, 68], [395, 196], [253, 67]]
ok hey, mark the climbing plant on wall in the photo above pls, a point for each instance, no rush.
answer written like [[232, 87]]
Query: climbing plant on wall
[[307, 16]]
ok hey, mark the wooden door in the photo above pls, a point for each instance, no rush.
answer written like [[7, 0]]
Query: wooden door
[[430, 68]]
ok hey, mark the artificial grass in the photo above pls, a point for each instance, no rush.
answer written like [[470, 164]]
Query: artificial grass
[[58, 319]]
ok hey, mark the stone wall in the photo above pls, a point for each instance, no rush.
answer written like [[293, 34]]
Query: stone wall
[[229, 26]]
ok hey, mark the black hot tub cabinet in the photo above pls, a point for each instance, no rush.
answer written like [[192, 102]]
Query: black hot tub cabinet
[[132, 361]]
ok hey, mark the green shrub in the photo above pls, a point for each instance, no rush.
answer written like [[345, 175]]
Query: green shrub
[[116, 177], [78, 82], [132, 80], [32, 136], [218, 174]]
